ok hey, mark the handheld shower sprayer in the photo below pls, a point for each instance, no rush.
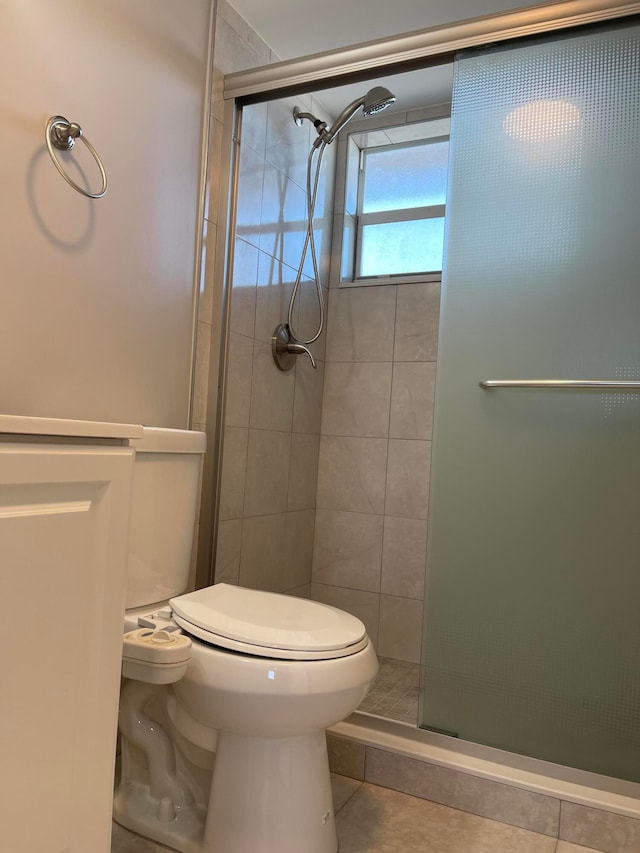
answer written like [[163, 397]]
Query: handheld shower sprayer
[[285, 345], [375, 100]]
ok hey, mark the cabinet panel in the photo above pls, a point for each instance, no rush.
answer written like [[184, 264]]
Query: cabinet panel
[[63, 525]]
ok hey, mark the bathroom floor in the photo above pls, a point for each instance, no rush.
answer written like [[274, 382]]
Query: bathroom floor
[[395, 691], [371, 819]]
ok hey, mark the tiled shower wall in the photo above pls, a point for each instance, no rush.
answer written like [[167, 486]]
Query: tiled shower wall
[[375, 446], [272, 418], [370, 434]]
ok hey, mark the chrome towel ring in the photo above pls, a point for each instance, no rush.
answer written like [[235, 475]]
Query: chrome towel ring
[[62, 134]]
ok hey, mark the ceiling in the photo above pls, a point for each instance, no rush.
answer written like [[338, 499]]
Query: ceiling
[[294, 28]]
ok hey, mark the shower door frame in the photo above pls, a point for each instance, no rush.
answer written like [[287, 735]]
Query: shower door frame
[[367, 61], [413, 51]]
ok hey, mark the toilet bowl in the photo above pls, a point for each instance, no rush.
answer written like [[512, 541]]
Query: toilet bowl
[[223, 746], [267, 675]]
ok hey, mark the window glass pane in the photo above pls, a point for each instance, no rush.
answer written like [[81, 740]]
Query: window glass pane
[[407, 176], [397, 248]]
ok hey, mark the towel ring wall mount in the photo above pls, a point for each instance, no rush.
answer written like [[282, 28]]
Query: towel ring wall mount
[[62, 134]]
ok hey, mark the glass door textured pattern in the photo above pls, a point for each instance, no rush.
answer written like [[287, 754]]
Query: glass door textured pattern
[[532, 624]]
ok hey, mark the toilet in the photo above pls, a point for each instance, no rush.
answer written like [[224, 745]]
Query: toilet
[[227, 691]]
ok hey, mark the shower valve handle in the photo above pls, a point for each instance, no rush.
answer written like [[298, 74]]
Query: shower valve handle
[[284, 348], [301, 349]]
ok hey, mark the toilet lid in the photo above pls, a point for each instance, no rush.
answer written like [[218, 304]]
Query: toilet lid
[[268, 624]]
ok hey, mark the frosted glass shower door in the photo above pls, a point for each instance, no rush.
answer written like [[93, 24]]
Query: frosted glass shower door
[[532, 615]]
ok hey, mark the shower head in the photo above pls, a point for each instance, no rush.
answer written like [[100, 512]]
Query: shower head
[[376, 100]]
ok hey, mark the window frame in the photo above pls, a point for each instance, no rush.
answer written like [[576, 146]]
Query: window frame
[[347, 228]]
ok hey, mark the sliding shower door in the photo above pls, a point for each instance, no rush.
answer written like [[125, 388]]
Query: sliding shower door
[[532, 617]]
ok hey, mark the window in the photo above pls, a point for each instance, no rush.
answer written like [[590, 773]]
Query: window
[[394, 205]]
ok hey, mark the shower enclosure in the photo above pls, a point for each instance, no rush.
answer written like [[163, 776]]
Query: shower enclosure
[[532, 638]]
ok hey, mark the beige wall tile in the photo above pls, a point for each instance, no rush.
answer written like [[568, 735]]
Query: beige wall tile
[[238, 381], [412, 400], [400, 628], [408, 466], [416, 332], [347, 549], [364, 605], [254, 127], [271, 213], [329, 162], [297, 549], [261, 558], [271, 392], [308, 316], [275, 285], [249, 198], [351, 474], [233, 52], [361, 324], [287, 144], [227, 567], [346, 757], [303, 591], [234, 468], [404, 557], [493, 800], [356, 399], [303, 471], [267, 480], [243, 292], [261, 53], [193, 565], [283, 217], [307, 404], [567, 847], [595, 828]]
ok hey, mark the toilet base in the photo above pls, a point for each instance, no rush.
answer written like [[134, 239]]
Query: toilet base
[[136, 810], [270, 795]]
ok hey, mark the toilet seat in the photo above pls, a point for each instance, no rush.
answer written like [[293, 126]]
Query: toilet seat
[[269, 625]]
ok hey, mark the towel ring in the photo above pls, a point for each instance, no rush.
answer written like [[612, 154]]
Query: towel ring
[[62, 134]]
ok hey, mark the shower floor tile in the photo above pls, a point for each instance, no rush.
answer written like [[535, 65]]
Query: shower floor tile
[[395, 691]]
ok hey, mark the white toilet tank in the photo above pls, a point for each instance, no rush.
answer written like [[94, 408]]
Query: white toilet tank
[[167, 469]]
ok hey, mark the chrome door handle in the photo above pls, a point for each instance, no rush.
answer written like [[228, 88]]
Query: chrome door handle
[[587, 384]]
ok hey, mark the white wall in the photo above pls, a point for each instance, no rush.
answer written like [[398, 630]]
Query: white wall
[[96, 296]]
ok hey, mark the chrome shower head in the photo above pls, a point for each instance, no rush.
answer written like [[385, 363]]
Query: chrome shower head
[[376, 100]]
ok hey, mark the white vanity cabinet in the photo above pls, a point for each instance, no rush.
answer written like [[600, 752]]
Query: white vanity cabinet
[[64, 512]]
